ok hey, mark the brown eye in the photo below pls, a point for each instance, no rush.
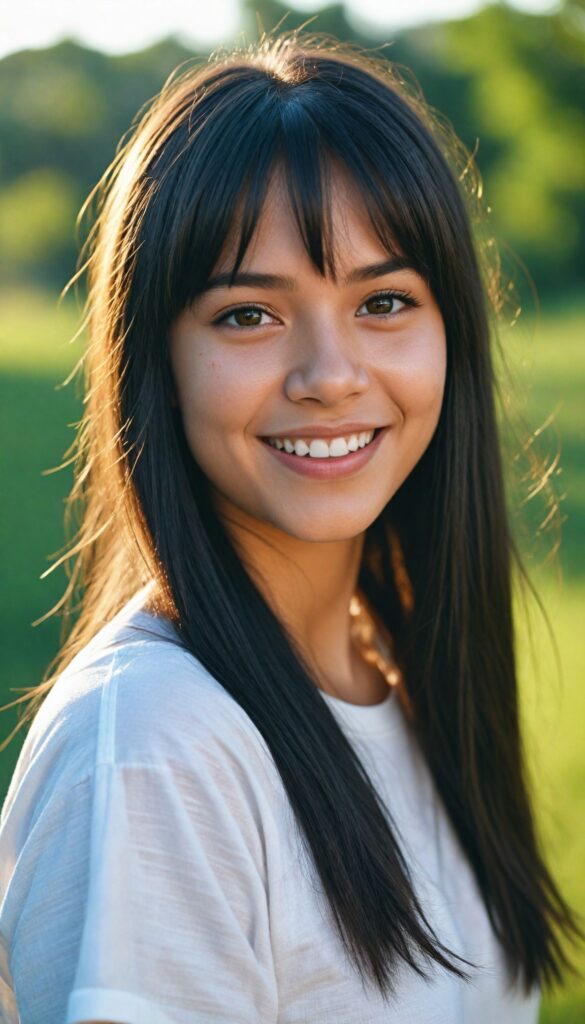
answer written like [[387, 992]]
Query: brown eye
[[383, 305], [380, 305], [249, 317], [244, 316]]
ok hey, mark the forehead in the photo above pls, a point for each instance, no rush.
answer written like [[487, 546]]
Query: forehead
[[343, 217]]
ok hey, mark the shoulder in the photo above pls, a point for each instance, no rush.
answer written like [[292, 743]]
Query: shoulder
[[141, 813], [135, 697]]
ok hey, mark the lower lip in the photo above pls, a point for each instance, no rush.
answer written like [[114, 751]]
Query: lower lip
[[330, 468]]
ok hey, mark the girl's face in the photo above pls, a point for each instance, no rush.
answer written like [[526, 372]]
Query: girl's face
[[296, 357]]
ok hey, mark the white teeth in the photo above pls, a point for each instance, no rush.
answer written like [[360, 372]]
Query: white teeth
[[319, 448], [338, 447], [301, 448]]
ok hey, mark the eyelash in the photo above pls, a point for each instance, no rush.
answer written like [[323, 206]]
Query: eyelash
[[406, 297]]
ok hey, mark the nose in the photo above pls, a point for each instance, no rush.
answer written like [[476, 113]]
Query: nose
[[329, 369]]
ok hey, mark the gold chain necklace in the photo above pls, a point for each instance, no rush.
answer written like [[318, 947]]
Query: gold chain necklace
[[375, 647]]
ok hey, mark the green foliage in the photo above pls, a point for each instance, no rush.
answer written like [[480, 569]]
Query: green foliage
[[510, 83], [67, 106], [516, 68], [37, 213], [64, 110]]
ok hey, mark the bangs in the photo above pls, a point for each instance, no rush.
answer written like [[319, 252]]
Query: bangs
[[226, 171]]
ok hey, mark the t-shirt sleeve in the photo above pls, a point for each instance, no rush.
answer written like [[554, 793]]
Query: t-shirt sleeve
[[147, 901]]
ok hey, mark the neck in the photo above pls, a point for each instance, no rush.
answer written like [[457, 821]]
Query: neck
[[309, 586]]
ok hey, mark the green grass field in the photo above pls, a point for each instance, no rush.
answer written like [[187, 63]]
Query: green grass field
[[548, 360]]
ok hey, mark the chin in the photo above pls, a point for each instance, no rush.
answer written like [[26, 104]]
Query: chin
[[326, 529]]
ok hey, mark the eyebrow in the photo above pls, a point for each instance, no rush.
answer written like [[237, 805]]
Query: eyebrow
[[285, 283]]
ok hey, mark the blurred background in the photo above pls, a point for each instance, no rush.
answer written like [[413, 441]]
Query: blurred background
[[510, 78]]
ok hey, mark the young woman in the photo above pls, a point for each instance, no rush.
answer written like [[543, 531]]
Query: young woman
[[278, 775]]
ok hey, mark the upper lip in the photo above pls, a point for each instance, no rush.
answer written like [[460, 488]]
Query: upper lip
[[321, 430]]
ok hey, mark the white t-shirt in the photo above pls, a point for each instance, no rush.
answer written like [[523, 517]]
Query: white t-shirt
[[151, 871]]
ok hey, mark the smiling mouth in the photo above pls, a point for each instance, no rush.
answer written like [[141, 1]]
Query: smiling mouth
[[319, 448]]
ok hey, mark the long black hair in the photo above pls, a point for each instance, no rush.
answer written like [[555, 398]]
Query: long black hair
[[438, 562]]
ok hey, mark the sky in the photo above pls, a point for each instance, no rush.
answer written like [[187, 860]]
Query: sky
[[120, 26]]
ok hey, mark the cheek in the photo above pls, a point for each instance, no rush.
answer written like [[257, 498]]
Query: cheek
[[432, 383], [218, 397], [418, 376]]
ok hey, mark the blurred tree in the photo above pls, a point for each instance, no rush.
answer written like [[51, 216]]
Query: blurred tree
[[522, 96], [37, 214], [64, 109], [511, 84]]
